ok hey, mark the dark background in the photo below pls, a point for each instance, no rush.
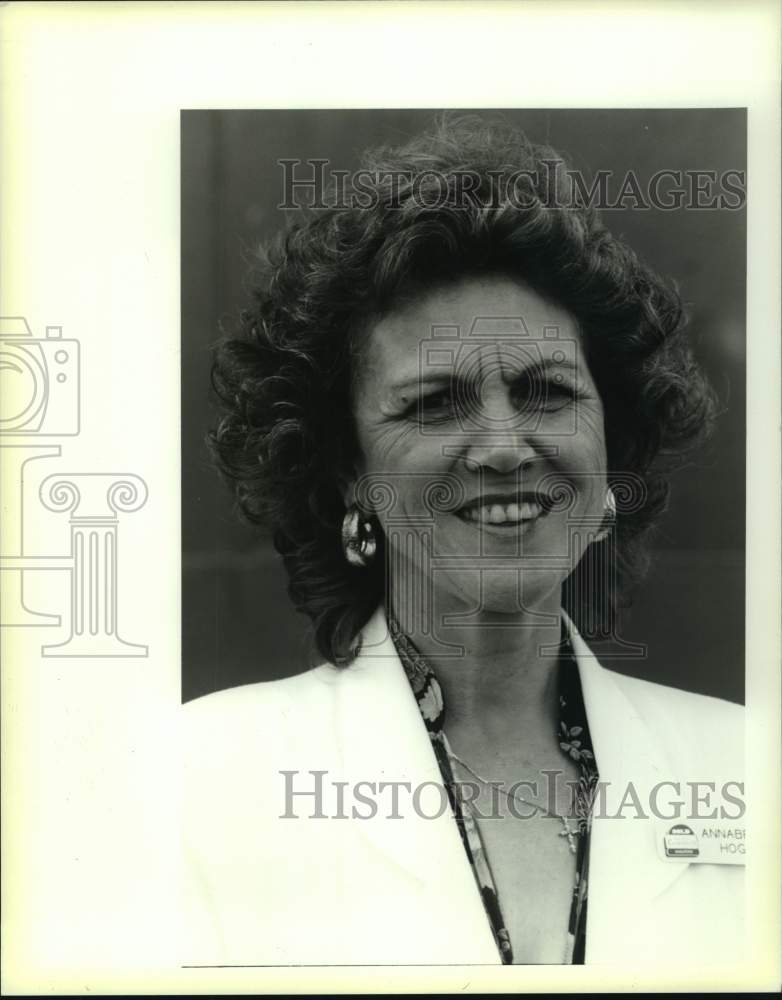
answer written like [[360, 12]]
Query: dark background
[[237, 622]]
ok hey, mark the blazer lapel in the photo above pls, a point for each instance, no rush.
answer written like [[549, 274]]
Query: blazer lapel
[[383, 739], [624, 866]]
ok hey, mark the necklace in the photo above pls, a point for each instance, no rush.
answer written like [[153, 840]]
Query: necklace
[[429, 697], [567, 831], [427, 688]]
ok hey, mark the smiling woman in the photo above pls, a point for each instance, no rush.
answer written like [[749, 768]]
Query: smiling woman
[[508, 398], [458, 415]]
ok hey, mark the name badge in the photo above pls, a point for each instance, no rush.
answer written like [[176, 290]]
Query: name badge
[[703, 841]]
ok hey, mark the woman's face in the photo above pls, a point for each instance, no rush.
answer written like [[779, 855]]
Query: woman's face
[[482, 447]]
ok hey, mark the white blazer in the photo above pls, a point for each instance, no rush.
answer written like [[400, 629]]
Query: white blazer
[[266, 890]]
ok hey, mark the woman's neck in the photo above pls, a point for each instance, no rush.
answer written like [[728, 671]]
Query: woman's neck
[[497, 671]]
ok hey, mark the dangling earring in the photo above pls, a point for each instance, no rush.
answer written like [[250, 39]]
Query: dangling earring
[[609, 516], [358, 538]]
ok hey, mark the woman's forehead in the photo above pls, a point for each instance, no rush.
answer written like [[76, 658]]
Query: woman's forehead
[[482, 321]]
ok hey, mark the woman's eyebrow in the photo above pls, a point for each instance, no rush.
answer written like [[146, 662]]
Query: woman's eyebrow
[[416, 381], [542, 365]]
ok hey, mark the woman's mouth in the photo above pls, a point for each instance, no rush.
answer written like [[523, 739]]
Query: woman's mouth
[[509, 513]]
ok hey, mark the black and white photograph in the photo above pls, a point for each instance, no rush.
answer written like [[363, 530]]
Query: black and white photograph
[[390, 475], [463, 628]]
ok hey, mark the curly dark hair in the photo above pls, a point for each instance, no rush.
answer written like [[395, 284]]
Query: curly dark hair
[[283, 377]]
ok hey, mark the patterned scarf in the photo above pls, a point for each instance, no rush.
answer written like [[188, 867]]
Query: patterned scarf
[[574, 741]]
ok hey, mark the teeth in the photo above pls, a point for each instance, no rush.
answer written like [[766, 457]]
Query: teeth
[[512, 513]]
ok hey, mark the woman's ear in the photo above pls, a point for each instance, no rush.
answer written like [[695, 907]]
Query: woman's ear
[[346, 483]]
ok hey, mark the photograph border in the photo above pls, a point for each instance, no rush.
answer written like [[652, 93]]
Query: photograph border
[[89, 218]]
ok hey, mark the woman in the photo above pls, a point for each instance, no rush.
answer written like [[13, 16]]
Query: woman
[[455, 400]]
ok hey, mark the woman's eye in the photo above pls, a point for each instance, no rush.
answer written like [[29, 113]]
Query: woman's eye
[[546, 395], [530, 396], [436, 402]]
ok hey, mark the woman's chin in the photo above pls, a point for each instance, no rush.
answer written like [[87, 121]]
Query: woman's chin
[[503, 592]]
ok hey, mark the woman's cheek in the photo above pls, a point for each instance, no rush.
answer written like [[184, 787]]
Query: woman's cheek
[[591, 439], [385, 446]]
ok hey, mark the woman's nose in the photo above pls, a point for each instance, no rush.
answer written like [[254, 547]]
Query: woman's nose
[[496, 433], [502, 452]]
